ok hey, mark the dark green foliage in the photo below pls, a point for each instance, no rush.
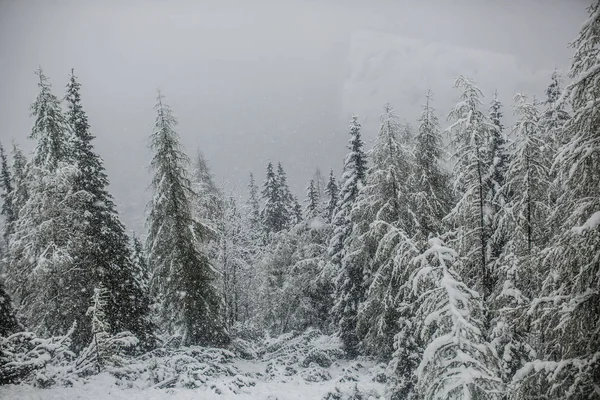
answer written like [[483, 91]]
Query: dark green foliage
[[182, 275], [104, 253], [332, 191], [6, 184], [8, 320]]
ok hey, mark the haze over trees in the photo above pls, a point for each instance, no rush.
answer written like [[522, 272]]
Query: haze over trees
[[479, 281]]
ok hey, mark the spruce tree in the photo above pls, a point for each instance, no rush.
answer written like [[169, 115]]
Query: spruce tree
[[566, 309], [527, 179], [50, 127], [382, 210], [6, 184], [498, 161], [287, 205], [253, 202], [349, 277], [470, 131], [209, 202], [312, 199], [140, 264], [272, 211], [104, 254], [433, 197], [457, 362], [19, 180], [44, 271], [332, 191], [353, 176], [296, 211], [182, 274]]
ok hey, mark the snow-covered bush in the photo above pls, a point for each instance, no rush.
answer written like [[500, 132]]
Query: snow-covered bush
[[288, 353], [24, 357]]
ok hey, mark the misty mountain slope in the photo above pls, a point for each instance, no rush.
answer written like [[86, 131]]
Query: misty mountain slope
[[386, 67]]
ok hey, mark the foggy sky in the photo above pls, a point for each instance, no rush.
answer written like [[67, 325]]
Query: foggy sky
[[252, 81]]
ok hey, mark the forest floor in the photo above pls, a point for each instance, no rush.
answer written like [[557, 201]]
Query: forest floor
[[307, 366]]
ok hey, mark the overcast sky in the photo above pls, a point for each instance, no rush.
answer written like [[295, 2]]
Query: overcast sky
[[252, 81]]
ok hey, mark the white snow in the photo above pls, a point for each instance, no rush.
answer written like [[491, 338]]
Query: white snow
[[278, 374], [592, 223]]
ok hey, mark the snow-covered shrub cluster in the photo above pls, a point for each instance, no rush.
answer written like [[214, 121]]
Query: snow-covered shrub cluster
[[309, 353]]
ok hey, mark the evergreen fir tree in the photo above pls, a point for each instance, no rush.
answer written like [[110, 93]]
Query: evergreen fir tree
[[349, 280], [19, 180], [355, 168], [312, 199], [271, 213], [498, 159], [457, 362], [286, 207], [44, 270], [104, 254], [140, 264], [209, 200], [527, 179], [470, 131], [6, 184], [296, 211], [253, 202], [566, 309], [332, 191], [182, 275], [50, 127], [382, 210], [433, 196]]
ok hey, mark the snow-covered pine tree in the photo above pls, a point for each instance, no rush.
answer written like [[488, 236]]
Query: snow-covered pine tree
[[457, 362], [470, 131], [6, 184], [320, 184], [140, 263], [381, 213], [208, 206], [432, 197], [182, 274], [349, 278], [253, 202], [312, 200], [209, 202], [50, 127], [288, 209], [272, 214], [509, 326], [498, 158], [44, 273], [332, 191], [552, 121], [554, 116], [19, 179], [104, 254], [527, 179], [353, 177], [296, 211], [566, 310]]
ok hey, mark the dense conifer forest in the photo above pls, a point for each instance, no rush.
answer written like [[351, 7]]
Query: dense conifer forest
[[457, 256]]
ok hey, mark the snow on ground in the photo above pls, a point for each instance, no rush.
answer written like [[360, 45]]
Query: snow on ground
[[307, 366]]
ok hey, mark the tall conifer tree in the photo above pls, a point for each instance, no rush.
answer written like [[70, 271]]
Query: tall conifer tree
[[182, 274]]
